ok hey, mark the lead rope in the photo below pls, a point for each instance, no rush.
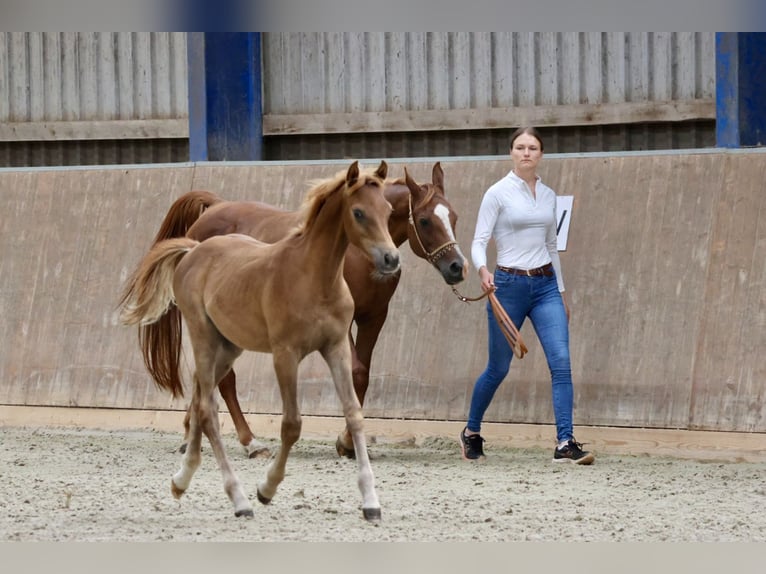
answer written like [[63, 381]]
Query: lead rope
[[509, 330]]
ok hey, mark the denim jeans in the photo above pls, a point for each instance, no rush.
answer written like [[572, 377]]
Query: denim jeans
[[539, 299]]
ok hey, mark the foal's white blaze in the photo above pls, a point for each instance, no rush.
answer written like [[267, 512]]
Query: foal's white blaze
[[442, 212]]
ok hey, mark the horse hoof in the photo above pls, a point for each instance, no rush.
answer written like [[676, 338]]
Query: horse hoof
[[259, 452], [371, 514], [177, 492], [343, 451], [262, 499], [247, 513]]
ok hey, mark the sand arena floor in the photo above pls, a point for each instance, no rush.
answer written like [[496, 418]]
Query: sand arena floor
[[64, 484]]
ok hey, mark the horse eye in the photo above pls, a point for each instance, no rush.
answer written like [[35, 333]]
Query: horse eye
[[423, 222], [358, 214]]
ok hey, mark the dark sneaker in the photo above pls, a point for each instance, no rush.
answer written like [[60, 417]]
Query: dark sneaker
[[572, 452], [471, 446]]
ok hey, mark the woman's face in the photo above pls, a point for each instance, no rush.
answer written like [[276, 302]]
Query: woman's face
[[526, 152]]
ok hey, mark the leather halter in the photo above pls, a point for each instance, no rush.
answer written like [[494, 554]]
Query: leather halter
[[433, 256]]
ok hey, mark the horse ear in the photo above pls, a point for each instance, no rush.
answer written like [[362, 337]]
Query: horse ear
[[382, 170], [437, 178], [352, 175], [411, 183]]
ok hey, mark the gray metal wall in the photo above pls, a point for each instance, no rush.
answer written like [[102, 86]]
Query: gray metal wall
[[90, 76], [70, 98], [102, 97], [376, 71], [591, 91]]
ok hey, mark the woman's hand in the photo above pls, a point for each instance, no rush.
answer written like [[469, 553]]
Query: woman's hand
[[566, 305], [487, 280]]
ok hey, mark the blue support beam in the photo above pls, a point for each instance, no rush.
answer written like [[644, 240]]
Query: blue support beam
[[740, 89], [225, 115]]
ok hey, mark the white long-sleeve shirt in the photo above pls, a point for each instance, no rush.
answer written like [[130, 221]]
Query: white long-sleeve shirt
[[523, 227]]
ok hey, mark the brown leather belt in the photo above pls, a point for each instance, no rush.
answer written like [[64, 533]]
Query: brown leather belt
[[546, 270]]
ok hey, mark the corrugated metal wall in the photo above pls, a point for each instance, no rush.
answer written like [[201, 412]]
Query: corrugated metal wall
[[373, 71], [314, 73], [77, 98], [67, 76], [94, 98]]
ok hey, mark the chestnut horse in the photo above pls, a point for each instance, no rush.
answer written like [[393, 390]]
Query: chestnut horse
[[236, 293], [421, 214]]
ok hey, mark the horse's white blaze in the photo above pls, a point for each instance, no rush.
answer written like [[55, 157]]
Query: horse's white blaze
[[457, 248], [442, 212]]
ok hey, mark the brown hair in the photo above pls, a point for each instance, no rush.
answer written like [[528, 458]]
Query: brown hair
[[528, 130]]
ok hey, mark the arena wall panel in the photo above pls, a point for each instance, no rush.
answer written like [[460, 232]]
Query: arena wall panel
[[664, 272]]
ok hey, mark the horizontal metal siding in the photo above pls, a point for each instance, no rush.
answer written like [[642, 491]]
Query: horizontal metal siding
[[93, 152], [689, 135], [635, 137]]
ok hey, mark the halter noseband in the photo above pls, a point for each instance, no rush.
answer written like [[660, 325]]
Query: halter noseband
[[433, 256]]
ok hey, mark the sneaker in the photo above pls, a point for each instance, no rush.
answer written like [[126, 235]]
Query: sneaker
[[471, 446], [572, 452]]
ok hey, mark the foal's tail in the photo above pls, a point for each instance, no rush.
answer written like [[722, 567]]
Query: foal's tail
[[180, 217], [146, 300], [160, 341]]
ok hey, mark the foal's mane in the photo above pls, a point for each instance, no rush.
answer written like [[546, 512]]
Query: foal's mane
[[322, 189], [429, 196]]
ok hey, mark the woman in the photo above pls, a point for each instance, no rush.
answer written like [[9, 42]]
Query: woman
[[519, 213]]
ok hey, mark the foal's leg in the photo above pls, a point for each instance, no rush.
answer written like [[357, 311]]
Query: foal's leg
[[192, 453], [339, 360], [211, 426], [228, 387], [212, 361], [286, 368]]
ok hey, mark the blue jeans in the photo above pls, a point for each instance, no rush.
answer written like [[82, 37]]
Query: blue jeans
[[539, 299]]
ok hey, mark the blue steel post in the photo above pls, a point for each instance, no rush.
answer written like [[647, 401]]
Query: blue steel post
[[726, 67], [225, 117], [195, 56], [740, 89]]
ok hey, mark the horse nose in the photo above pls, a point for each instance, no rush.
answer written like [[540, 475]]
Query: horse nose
[[391, 261], [455, 273]]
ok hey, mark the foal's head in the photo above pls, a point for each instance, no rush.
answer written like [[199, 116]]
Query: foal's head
[[366, 216], [363, 212]]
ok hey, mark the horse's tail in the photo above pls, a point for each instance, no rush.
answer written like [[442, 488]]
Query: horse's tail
[[184, 212], [147, 299]]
